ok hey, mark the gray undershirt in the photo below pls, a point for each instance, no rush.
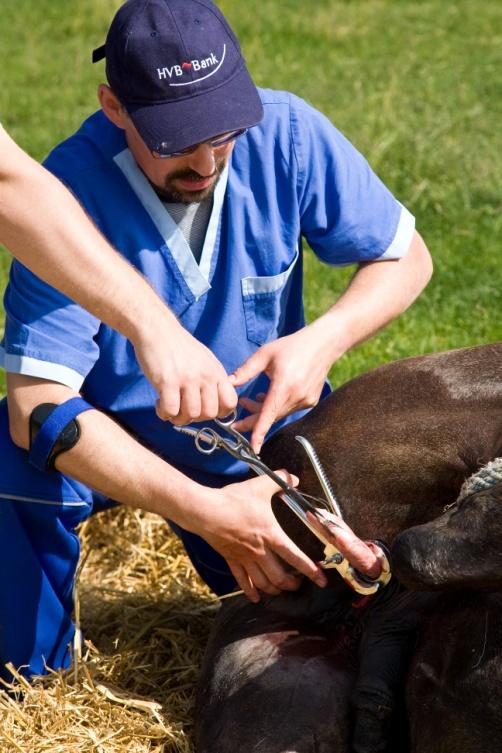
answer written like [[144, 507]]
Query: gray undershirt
[[192, 220]]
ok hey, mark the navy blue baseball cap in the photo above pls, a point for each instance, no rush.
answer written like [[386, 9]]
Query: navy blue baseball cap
[[177, 68]]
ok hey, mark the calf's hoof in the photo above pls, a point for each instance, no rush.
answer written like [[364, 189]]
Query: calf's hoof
[[373, 713]]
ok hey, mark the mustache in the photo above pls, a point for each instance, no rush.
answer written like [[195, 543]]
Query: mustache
[[191, 175], [168, 191]]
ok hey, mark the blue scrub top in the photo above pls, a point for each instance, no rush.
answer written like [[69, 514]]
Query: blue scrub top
[[293, 176]]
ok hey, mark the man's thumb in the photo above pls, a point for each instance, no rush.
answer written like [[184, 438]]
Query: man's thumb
[[274, 488], [254, 365]]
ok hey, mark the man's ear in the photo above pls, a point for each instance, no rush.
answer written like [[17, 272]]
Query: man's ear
[[111, 106]]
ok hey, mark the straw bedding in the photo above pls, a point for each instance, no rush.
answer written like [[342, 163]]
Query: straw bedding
[[145, 616]]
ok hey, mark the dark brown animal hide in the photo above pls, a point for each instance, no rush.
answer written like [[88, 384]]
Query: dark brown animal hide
[[311, 673]]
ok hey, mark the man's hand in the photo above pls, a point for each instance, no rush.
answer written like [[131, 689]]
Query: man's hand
[[239, 523], [191, 382], [297, 366]]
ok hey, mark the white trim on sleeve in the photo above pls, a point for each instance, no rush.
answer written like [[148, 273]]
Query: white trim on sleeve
[[36, 501], [54, 372], [403, 237]]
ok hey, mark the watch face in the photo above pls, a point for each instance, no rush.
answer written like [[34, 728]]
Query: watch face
[[38, 415], [65, 440], [69, 436]]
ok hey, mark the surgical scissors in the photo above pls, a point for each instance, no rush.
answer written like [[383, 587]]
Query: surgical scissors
[[207, 440]]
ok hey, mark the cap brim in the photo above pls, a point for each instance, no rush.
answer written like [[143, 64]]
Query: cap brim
[[183, 123]]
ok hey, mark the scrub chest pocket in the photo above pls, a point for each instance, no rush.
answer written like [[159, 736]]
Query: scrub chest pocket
[[264, 301]]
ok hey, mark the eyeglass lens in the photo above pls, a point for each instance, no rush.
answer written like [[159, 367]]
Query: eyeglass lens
[[224, 138]]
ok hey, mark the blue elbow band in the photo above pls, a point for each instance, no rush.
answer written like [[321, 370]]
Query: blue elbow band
[[53, 430]]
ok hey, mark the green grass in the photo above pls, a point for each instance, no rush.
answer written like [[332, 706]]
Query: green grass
[[414, 85]]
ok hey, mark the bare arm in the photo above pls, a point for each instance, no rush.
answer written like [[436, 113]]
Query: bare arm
[[46, 229], [237, 520], [297, 365]]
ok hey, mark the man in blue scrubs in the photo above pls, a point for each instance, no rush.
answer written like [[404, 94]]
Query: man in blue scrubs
[[208, 186]]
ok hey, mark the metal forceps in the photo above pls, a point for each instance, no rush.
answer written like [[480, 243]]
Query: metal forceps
[[208, 440]]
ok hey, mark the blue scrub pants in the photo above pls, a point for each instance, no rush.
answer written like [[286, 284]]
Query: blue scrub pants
[[39, 552]]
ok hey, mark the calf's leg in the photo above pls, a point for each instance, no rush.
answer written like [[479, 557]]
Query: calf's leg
[[388, 641]]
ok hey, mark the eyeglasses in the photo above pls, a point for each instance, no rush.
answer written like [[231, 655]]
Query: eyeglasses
[[221, 140]]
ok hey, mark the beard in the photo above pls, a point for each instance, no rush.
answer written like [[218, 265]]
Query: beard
[[170, 193]]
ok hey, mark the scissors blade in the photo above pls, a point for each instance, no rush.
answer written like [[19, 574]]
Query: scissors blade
[[188, 430], [321, 475]]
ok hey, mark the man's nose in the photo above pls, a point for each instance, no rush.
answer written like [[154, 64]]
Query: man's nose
[[202, 160]]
